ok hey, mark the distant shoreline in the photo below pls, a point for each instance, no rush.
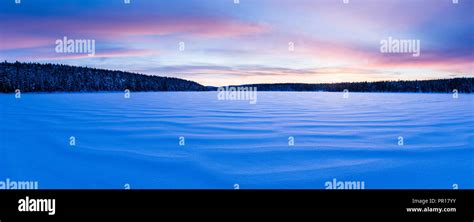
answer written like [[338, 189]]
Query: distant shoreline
[[212, 91], [53, 78]]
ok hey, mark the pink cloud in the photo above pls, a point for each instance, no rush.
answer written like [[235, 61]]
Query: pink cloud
[[109, 53], [428, 60], [21, 42], [111, 29]]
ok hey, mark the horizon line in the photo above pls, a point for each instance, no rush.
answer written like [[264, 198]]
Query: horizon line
[[246, 84]]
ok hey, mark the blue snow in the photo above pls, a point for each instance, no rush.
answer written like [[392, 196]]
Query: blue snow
[[136, 141]]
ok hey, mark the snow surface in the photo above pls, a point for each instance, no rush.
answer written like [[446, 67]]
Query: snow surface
[[136, 141]]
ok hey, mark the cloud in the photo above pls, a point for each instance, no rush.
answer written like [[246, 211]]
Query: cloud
[[210, 74], [247, 43], [48, 54], [30, 32]]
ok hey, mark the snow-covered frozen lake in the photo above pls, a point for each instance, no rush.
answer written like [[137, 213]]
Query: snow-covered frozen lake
[[386, 140]]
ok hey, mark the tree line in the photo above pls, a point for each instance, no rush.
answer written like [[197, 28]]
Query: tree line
[[35, 77], [461, 85]]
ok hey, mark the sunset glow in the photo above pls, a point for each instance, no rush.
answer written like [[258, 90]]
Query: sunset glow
[[264, 41]]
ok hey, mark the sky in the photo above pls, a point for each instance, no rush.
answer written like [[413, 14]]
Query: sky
[[219, 42]]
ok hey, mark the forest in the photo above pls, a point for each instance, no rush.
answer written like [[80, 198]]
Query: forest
[[35, 77], [461, 85]]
